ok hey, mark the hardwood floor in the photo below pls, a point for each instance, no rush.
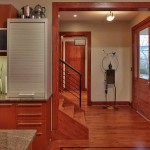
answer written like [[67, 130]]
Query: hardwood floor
[[120, 129], [117, 128]]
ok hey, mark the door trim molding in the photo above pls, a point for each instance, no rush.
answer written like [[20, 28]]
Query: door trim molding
[[78, 6], [141, 23]]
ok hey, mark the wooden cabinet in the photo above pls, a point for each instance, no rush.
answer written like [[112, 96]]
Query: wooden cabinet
[[28, 115], [30, 147], [7, 11], [35, 115], [7, 116]]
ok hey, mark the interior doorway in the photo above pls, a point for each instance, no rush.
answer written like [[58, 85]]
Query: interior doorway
[[77, 6], [76, 54]]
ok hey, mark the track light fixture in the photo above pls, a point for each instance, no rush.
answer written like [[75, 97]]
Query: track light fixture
[[110, 17]]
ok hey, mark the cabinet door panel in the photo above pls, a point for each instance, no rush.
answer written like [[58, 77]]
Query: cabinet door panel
[[40, 141], [7, 116]]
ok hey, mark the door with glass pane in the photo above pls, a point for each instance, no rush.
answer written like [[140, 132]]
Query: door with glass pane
[[141, 86]]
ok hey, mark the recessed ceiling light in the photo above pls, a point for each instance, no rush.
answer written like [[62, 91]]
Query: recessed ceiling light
[[58, 15], [74, 15]]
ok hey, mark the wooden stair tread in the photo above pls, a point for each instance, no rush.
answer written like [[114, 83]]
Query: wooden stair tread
[[69, 110], [67, 101]]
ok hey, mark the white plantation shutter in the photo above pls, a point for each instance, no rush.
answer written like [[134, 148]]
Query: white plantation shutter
[[26, 59]]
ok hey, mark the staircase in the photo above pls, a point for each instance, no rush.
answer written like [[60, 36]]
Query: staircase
[[71, 121], [72, 129]]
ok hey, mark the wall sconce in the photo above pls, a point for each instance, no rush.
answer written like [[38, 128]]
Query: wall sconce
[[110, 17]]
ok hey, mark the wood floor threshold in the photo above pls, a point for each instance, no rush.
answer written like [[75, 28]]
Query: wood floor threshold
[[104, 147]]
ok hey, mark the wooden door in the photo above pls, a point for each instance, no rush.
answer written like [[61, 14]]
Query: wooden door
[[75, 56], [141, 71]]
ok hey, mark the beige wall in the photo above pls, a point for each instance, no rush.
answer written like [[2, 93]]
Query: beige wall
[[121, 45], [110, 36], [48, 3], [141, 16]]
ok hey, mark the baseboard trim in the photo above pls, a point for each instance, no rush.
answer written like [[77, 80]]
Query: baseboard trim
[[111, 103]]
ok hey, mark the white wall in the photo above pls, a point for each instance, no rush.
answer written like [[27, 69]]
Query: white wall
[[110, 36]]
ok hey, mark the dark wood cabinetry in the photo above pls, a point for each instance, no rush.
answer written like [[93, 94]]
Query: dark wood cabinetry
[[35, 115], [7, 11], [7, 116], [28, 115]]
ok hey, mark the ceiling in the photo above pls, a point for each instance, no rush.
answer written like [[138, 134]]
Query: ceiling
[[96, 15]]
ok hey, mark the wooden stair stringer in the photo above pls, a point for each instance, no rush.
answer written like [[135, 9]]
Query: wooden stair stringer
[[70, 128]]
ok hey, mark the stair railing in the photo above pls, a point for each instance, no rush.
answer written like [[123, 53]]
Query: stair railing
[[70, 80]]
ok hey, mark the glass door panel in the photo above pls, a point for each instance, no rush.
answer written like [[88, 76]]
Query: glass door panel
[[144, 54]]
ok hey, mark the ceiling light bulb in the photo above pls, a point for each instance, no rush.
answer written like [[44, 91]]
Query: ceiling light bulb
[[74, 15], [110, 17]]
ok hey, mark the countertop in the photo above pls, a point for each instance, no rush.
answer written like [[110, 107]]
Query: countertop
[[4, 98], [16, 139]]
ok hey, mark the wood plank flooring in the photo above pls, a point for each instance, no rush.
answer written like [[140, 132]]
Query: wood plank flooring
[[117, 128], [121, 129]]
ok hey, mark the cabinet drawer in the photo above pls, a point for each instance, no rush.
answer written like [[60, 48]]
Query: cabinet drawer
[[30, 111], [37, 125]]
